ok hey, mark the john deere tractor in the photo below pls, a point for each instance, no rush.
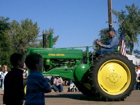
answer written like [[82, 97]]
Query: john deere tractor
[[111, 76]]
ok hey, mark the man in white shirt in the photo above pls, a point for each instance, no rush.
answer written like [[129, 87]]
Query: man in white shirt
[[3, 74], [58, 84]]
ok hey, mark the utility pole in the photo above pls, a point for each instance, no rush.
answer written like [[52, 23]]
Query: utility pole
[[110, 13]]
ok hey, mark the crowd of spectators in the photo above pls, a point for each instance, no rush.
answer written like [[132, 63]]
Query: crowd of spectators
[[57, 83]]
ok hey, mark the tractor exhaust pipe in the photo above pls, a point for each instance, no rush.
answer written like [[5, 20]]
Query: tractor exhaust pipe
[[50, 41], [44, 41]]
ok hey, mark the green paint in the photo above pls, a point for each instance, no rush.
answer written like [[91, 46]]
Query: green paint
[[64, 62]]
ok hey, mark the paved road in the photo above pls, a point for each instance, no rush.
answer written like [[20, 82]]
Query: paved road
[[76, 98]]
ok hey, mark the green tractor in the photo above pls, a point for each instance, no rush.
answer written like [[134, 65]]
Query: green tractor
[[111, 76]]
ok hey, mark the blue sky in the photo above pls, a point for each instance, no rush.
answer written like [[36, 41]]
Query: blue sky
[[77, 22]]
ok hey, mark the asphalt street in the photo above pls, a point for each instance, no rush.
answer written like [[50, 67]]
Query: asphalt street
[[76, 98]]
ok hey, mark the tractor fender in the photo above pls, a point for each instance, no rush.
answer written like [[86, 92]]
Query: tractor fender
[[80, 70]]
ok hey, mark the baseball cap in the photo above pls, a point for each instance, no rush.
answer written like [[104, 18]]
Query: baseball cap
[[111, 29]]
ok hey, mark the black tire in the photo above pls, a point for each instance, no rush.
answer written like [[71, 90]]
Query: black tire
[[84, 89], [112, 77]]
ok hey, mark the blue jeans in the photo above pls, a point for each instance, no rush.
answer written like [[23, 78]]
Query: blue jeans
[[138, 86], [70, 81], [104, 50], [58, 88]]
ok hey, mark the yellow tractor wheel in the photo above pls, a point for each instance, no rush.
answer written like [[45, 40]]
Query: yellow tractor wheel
[[112, 76]]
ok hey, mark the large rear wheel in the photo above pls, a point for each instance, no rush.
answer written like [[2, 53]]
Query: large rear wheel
[[112, 77]]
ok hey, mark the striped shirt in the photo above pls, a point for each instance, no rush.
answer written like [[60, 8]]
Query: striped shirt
[[37, 85]]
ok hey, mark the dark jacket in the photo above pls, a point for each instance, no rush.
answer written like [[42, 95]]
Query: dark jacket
[[13, 87]]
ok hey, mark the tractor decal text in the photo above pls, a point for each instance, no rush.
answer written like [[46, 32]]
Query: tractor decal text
[[56, 54]]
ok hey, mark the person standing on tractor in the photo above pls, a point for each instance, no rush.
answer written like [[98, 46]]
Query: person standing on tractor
[[111, 45]]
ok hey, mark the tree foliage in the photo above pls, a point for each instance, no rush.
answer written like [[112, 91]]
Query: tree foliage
[[4, 40], [137, 53], [103, 38], [22, 34], [18, 37], [129, 23]]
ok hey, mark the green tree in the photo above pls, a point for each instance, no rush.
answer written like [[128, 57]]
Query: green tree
[[23, 34], [103, 38], [18, 37], [129, 23], [104, 35], [4, 41], [137, 52]]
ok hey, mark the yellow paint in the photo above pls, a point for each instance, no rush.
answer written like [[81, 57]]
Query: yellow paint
[[56, 54]]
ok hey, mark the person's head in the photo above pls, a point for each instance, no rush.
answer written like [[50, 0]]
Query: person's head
[[5, 67], [34, 62], [57, 77], [111, 32], [17, 60]]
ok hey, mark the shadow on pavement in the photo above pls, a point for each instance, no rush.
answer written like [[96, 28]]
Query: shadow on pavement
[[73, 96]]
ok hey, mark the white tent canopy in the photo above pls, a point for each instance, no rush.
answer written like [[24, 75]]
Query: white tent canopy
[[136, 61]]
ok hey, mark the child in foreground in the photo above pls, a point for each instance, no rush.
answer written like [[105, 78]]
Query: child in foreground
[[37, 85], [13, 82]]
